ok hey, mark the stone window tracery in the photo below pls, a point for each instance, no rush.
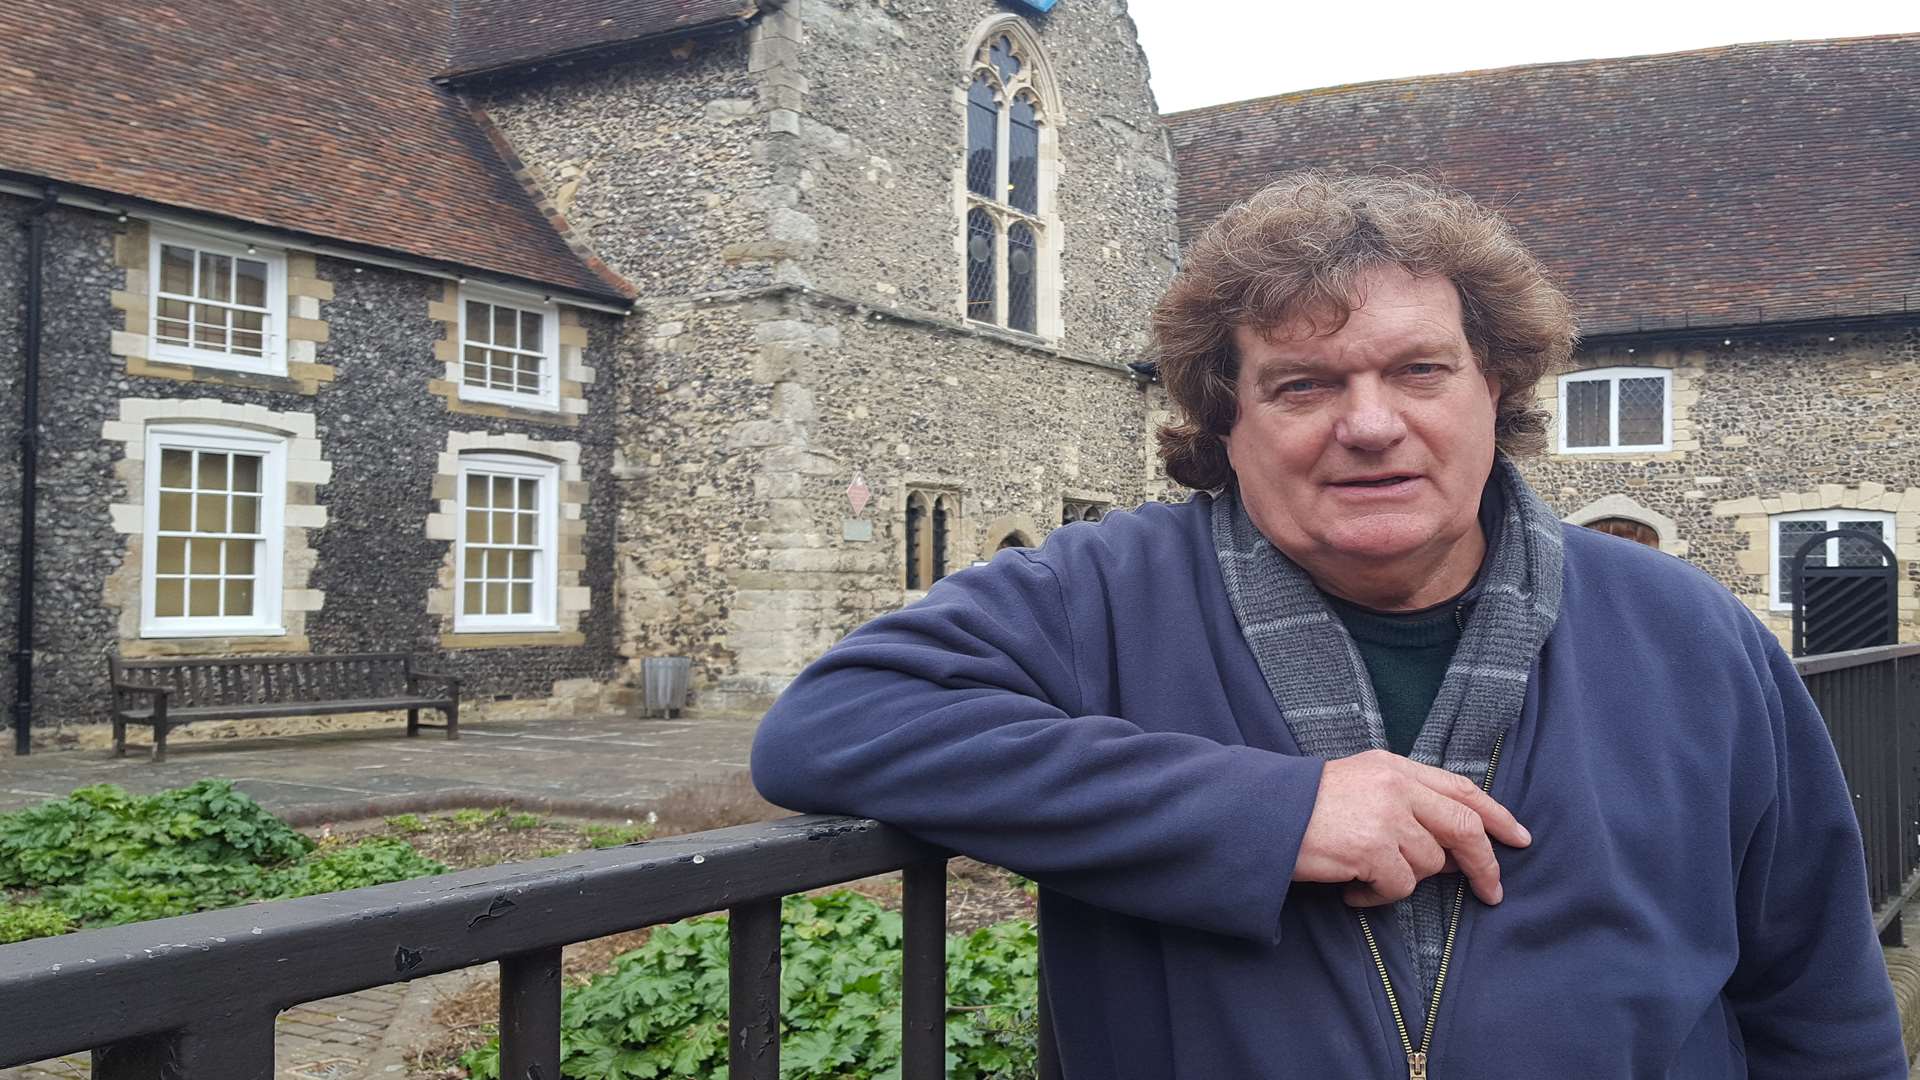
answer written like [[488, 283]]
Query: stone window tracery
[[929, 525], [1006, 229], [1072, 510]]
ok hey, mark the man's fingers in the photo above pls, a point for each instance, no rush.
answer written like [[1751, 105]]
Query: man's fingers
[[1459, 829], [1497, 821], [1391, 882]]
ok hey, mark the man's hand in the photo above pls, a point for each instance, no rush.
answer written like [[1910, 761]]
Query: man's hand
[[1384, 823]]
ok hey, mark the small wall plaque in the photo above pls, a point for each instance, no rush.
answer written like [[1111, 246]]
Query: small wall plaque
[[857, 529]]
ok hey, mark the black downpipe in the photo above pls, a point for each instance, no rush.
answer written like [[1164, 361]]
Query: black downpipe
[[29, 479]]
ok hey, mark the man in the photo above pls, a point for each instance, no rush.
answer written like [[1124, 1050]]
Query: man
[[1245, 743]]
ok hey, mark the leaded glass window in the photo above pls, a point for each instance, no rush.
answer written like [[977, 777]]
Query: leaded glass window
[[1020, 270], [1005, 228], [1615, 409], [217, 304], [1791, 530], [981, 289]]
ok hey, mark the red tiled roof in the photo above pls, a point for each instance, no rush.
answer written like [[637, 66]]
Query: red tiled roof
[[489, 35], [1719, 187], [318, 118]]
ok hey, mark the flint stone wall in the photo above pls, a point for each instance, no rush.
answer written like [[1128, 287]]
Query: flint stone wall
[[377, 424]]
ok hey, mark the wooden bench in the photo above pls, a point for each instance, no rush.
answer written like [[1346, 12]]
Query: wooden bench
[[169, 692]]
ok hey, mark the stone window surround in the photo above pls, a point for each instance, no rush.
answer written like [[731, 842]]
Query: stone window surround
[[571, 371], [134, 249], [1682, 394], [1622, 506], [935, 494], [306, 471], [1752, 519], [573, 600], [1000, 529], [1037, 75], [1613, 376]]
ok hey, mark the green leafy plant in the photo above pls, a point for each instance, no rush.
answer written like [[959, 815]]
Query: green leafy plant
[[406, 823], [606, 836], [523, 821], [470, 818], [662, 1011], [101, 857], [20, 922]]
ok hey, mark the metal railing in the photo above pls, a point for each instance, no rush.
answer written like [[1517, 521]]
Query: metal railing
[[195, 997], [1870, 699]]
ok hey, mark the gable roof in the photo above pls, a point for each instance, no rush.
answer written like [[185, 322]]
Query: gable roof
[[1728, 186], [493, 35], [315, 118]]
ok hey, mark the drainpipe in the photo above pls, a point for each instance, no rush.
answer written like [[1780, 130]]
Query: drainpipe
[[29, 461]]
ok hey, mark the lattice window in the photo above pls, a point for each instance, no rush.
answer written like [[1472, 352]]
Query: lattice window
[[1616, 409], [1005, 229], [930, 519], [218, 304], [1789, 531], [214, 504], [508, 507], [1072, 510], [509, 350]]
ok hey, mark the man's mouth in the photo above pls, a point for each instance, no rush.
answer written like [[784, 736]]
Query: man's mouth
[[1393, 480]]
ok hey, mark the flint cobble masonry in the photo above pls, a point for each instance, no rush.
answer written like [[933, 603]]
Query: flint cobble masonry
[[376, 423]]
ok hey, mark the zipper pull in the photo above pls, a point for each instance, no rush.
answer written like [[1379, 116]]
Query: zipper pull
[[1417, 1066]]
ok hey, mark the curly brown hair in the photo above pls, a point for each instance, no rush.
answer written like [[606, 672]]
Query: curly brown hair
[[1296, 250]]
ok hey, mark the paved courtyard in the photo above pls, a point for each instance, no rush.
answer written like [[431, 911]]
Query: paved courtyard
[[605, 762], [601, 765]]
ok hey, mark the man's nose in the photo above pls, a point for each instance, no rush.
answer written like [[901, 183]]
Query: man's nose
[[1371, 418]]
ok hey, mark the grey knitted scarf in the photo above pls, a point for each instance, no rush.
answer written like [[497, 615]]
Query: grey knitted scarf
[[1321, 684]]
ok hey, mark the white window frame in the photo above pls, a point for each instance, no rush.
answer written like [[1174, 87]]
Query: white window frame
[[1832, 518], [268, 564], [546, 570], [274, 342], [548, 398], [1614, 375]]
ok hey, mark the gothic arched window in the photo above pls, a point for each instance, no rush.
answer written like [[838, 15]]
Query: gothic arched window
[[930, 521], [1007, 238]]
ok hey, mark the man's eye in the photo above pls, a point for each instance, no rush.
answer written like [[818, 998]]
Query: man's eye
[[1298, 386], [1423, 369]]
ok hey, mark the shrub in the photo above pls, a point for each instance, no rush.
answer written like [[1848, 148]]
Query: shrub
[[519, 822], [20, 922], [102, 857], [662, 1011], [606, 836], [406, 823]]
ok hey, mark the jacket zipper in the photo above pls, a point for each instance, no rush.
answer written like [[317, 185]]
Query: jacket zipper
[[1417, 1056]]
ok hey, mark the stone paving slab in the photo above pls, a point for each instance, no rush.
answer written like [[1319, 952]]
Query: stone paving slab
[[610, 761], [613, 759]]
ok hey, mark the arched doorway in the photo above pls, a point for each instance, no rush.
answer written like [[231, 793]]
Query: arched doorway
[[1637, 531]]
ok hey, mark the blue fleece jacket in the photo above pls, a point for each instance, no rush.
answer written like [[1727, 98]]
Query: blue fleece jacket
[[1693, 906]]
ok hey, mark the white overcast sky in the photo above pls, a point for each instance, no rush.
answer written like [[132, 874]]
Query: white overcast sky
[[1204, 52]]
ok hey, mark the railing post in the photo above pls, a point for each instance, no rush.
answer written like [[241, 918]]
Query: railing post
[[232, 1048], [530, 1015], [923, 974], [753, 991]]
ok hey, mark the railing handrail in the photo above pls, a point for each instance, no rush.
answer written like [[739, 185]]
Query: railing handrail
[[1814, 665], [101, 987]]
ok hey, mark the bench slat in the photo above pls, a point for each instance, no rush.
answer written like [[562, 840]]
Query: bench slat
[[302, 708]]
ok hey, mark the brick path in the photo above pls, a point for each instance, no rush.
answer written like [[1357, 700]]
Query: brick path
[[611, 761]]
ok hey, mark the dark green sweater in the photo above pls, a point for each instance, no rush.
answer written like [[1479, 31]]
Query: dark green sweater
[[1406, 655]]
